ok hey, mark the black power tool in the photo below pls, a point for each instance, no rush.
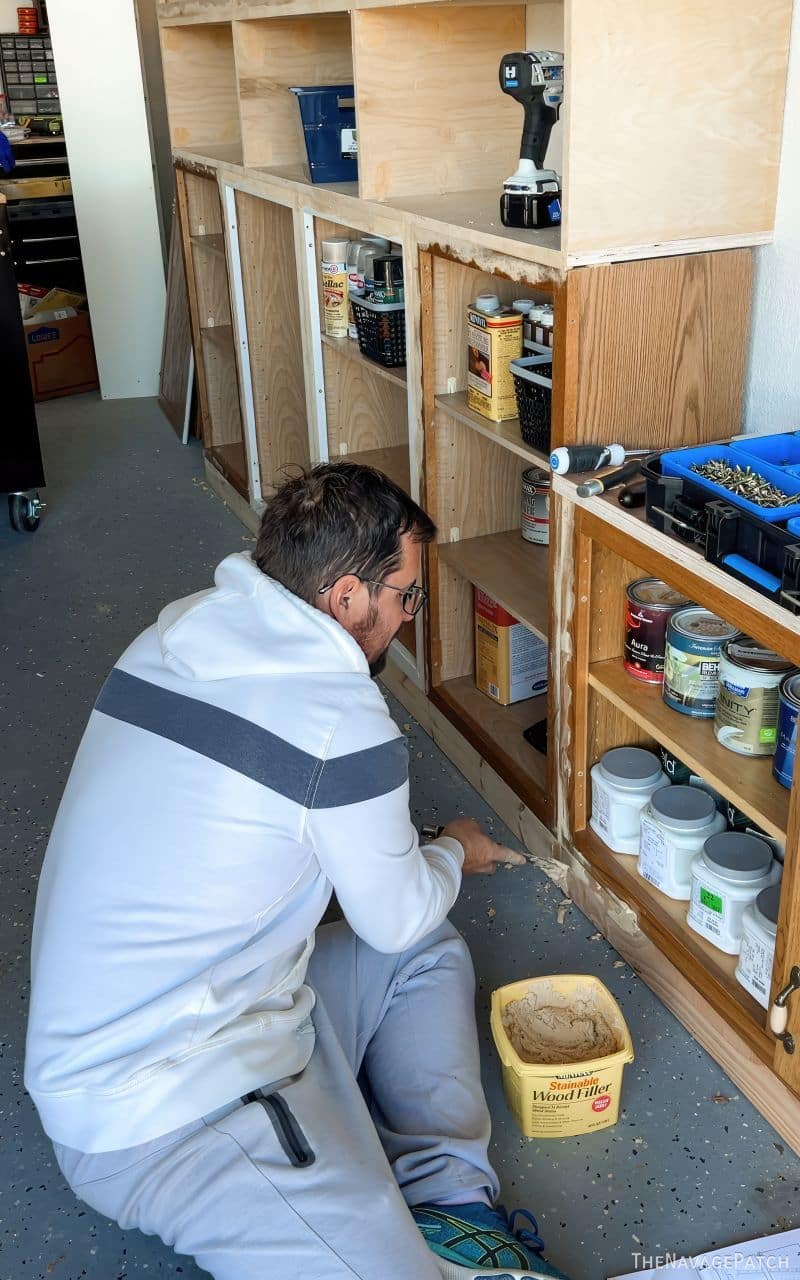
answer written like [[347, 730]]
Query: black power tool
[[532, 196]]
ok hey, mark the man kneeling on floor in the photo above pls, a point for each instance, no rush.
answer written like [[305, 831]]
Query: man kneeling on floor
[[277, 1100]]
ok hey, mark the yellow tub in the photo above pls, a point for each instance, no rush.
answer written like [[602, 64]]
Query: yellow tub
[[562, 1099]]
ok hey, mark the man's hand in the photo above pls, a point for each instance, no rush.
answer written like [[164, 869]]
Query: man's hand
[[481, 855]]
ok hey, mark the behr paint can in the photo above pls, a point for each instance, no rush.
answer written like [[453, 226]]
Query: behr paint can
[[750, 675], [788, 707], [691, 660], [649, 604], [536, 505]]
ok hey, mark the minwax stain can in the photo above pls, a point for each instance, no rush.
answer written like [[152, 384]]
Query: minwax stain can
[[691, 661], [789, 706], [536, 505], [649, 606], [750, 675]]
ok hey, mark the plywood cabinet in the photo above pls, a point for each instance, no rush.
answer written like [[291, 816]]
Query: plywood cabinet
[[669, 146]]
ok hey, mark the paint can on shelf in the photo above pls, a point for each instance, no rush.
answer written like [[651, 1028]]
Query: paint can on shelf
[[536, 505], [649, 606], [691, 660], [750, 675], [788, 707]]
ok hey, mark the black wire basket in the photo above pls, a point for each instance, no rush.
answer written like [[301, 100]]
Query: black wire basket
[[533, 385], [381, 328]]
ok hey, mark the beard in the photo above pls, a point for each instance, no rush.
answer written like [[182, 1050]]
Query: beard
[[362, 634]]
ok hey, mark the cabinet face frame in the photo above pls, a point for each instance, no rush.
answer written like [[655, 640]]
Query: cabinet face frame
[[610, 549]]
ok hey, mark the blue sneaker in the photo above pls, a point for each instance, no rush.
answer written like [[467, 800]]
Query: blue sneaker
[[473, 1241]]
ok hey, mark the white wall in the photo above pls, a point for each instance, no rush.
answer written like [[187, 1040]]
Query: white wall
[[100, 83], [772, 389]]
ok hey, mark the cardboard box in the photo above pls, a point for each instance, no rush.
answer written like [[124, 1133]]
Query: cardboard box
[[60, 356], [493, 341], [510, 661]]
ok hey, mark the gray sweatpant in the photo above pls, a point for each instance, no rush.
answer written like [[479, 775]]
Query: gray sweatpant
[[315, 1179]]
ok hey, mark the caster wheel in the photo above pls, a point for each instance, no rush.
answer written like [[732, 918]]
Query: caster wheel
[[24, 511]]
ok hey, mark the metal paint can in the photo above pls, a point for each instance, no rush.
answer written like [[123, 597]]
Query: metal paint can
[[536, 505], [691, 660], [746, 719], [649, 605], [789, 705]]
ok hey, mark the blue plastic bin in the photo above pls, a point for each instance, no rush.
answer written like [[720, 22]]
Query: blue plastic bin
[[781, 450], [328, 114], [679, 462]]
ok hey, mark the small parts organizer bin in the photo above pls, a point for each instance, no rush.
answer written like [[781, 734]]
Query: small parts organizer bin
[[757, 545], [381, 328], [533, 384]]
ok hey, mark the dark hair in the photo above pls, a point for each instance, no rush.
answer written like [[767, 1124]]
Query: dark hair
[[335, 519]]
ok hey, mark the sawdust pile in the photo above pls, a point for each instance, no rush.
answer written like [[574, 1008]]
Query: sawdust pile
[[546, 1027]]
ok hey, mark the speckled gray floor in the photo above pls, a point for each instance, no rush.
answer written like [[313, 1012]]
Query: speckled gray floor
[[131, 525]]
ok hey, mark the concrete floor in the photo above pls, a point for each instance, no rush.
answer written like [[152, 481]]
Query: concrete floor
[[131, 525]]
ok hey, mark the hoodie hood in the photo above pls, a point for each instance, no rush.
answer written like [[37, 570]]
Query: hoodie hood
[[251, 625]]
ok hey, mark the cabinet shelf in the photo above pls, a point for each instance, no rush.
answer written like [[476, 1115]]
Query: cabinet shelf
[[213, 243], [497, 733], [747, 782], [514, 572], [665, 920], [349, 349], [230, 459], [505, 433], [393, 462], [219, 335]]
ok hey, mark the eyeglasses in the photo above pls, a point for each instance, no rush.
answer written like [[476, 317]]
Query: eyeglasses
[[413, 598]]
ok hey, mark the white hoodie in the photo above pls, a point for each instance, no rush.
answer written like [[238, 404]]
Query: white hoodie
[[238, 764]]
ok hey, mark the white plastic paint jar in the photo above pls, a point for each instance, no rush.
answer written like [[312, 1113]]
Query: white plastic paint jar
[[675, 824], [759, 929], [730, 872], [623, 781]]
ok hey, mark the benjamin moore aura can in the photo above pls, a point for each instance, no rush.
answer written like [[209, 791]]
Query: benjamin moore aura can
[[650, 602], [783, 763], [691, 661]]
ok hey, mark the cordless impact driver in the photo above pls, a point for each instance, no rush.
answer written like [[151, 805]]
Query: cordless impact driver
[[532, 196]]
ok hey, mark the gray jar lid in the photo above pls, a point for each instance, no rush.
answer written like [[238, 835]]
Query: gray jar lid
[[737, 856], [682, 808], [631, 767], [766, 905]]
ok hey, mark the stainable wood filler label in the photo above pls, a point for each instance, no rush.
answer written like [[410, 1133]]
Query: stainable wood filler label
[[746, 718], [563, 1043], [649, 605], [691, 660], [494, 340]]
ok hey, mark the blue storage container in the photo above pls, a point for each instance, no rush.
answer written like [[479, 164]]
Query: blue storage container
[[780, 450], [679, 462], [328, 114]]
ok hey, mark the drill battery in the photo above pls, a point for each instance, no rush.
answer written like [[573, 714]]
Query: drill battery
[[530, 209]]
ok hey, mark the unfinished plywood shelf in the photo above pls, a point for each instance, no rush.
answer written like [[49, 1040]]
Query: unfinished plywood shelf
[[348, 348], [497, 731], [514, 572], [213, 243], [665, 919], [392, 461], [231, 460], [748, 783], [506, 434]]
